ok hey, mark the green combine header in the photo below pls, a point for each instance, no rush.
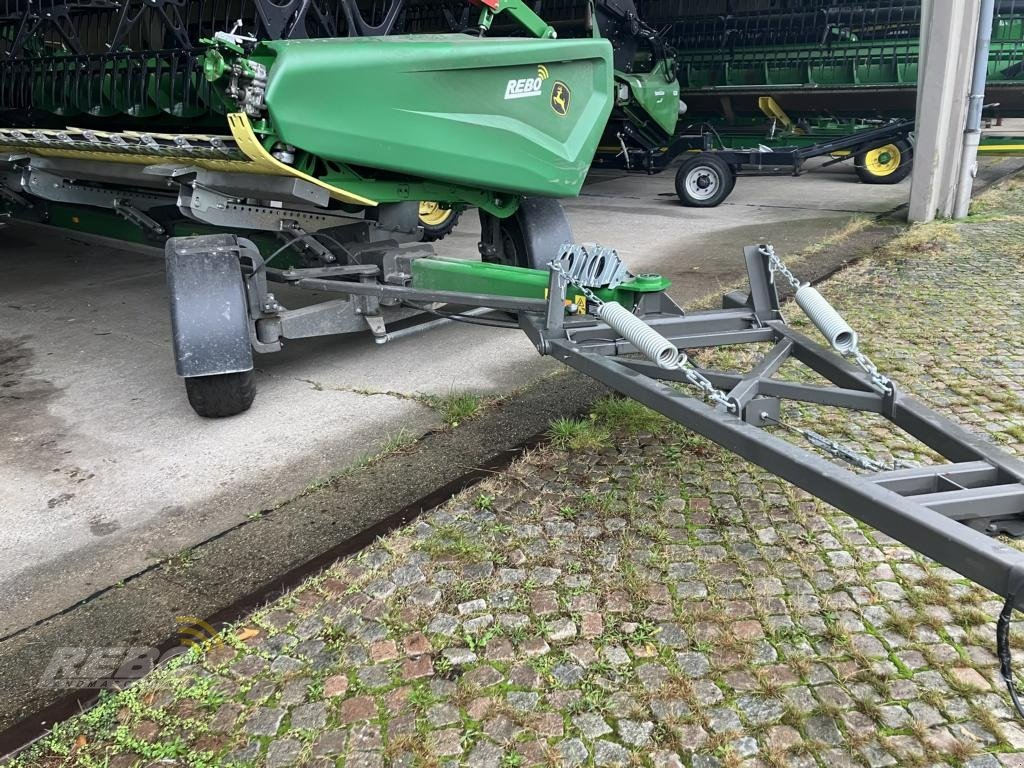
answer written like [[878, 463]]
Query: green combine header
[[819, 57]]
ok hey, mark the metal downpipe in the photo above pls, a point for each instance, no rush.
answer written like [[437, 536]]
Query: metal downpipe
[[972, 128]]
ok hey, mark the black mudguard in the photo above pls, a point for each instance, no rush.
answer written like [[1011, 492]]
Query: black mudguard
[[539, 225], [545, 228], [209, 311]]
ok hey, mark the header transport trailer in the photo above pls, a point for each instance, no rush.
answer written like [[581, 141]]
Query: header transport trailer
[[302, 165], [767, 86]]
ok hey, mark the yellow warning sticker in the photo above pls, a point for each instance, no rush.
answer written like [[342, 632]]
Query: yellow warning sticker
[[579, 300]]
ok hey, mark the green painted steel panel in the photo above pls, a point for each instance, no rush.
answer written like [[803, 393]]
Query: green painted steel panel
[[882, 63], [438, 273], [508, 114], [656, 95]]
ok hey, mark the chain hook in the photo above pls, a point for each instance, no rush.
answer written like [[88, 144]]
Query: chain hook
[[879, 380]]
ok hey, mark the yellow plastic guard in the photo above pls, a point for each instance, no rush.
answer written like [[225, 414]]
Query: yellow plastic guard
[[772, 110], [251, 147]]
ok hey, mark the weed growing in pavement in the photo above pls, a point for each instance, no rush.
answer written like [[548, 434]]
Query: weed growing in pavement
[[451, 542], [393, 444], [455, 407], [183, 560], [1016, 432], [577, 434], [920, 239], [620, 414], [994, 202]]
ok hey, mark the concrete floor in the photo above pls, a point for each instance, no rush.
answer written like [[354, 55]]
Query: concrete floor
[[106, 470]]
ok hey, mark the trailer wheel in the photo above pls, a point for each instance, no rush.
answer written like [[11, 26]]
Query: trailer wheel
[[222, 394], [704, 181], [437, 222], [888, 164]]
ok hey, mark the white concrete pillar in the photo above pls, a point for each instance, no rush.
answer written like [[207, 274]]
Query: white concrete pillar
[[948, 33]]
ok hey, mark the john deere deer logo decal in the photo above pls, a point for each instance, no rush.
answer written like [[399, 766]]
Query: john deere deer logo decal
[[560, 97]]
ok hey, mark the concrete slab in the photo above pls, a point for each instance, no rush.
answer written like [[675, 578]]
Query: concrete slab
[[104, 470]]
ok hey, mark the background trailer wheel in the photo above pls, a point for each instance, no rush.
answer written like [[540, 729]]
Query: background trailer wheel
[[704, 181], [887, 164], [437, 221]]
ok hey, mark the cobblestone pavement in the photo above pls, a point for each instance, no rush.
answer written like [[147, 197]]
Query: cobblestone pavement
[[633, 595]]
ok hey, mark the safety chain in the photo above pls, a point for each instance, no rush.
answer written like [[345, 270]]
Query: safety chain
[[592, 298], [703, 383], [878, 379], [693, 377], [775, 265]]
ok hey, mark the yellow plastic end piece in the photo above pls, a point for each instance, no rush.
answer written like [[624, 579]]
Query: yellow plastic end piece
[[773, 111], [251, 147]]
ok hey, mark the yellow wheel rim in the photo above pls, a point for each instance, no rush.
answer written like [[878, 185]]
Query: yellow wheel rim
[[432, 214], [882, 161]]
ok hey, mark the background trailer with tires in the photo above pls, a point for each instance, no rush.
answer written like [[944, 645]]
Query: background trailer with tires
[[712, 160], [769, 85]]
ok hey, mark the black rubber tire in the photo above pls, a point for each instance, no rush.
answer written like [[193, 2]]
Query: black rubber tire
[[220, 395], [432, 233], [902, 170], [513, 251], [514, 242], [529, 238], [716, 172]]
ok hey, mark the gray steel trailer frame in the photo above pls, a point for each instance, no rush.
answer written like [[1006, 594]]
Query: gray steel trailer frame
[[950, 512], [946, 511]]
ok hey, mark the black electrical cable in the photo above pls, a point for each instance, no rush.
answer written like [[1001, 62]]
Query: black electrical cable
[[278, 252], [454, 316], [346, 251], [1003, 652], [297, 238]]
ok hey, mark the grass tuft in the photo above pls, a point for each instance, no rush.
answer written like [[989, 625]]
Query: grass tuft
[[577, 434], [620, 414], [923, 238], [455, 407]]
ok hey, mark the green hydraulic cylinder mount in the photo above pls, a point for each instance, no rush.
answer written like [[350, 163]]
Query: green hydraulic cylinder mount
[[439, 273], [518, 10]]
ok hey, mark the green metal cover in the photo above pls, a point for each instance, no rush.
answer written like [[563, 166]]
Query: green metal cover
[[439, 273], [508, 114], [656, 95], [870, 64]]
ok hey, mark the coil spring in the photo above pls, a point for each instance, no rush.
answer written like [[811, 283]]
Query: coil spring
[[655, 347], [827, 320]]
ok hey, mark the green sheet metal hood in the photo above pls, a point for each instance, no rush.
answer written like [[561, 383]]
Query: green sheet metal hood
[[508, 114]]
